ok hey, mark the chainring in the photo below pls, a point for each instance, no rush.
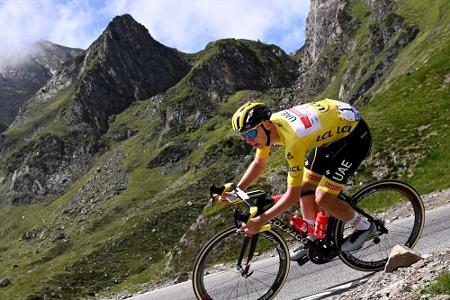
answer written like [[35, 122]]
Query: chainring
[[321, 253]]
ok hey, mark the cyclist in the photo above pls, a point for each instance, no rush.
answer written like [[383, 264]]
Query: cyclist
[[325, 142]]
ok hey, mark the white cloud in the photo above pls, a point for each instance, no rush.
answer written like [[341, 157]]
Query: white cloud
[[189, 25], [184, 24], [72, 24], [19, 25], [24, 22]]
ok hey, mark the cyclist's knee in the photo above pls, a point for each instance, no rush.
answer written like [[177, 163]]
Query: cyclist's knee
[[308, 198], [324, 199]]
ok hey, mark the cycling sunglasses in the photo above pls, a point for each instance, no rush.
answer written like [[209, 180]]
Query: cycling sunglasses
[[250, 134]]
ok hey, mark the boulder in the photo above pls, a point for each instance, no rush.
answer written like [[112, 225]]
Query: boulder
[[5, 282], [401, 256], [182, 278]]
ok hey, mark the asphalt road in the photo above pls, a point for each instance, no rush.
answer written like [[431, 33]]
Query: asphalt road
[[320, 281]]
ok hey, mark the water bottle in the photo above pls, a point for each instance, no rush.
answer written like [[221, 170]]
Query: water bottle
[[321, 225], [301, 225]]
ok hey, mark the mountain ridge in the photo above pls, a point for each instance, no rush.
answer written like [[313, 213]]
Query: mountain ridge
[[22, 76]]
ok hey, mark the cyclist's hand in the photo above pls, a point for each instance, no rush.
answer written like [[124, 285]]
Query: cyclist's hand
[[227, 197], [251, 227]]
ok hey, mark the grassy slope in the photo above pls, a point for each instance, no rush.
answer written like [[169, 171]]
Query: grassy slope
[[412, 106], [420, 98], [127, 219], [408, 112]]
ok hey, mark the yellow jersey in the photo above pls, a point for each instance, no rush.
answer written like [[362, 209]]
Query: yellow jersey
[[308, 126]]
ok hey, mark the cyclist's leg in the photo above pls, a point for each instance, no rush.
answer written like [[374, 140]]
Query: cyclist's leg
[[333, 205], [317, 164], [308, 204], [347, 155], [311, 179], [308, 208]]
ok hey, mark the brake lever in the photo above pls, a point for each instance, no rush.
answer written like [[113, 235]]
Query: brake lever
[[253, 209]]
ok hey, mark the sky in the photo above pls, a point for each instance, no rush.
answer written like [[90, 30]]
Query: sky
[[187, 25]]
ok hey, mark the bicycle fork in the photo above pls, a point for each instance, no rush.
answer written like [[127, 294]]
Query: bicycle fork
[[249, 242]]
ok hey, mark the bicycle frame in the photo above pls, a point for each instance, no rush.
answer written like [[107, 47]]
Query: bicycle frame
[[301, 237], [283, 227], [321, 253]]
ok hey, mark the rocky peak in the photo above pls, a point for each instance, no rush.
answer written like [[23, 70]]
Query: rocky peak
[[329, 32], [334, 38], [24, 75], [327, 21], [387, 34], [52, 56], [230, 65], [123, 65]]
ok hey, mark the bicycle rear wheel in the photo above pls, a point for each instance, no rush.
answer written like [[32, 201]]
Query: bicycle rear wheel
[[216, 275], [396, 207]]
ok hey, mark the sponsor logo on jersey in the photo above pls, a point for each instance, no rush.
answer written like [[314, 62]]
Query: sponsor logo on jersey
[[330, 133], [332, 186], [290, 117], [313, 177], [303, 118], [295, 169], [322, 108], [348, 112], [289, 156], [324, 136], [342, 170]]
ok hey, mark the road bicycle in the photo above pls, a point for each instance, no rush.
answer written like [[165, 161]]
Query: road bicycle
[[232, 266]]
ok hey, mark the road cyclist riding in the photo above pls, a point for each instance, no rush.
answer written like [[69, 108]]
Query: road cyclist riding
[[325, 142]]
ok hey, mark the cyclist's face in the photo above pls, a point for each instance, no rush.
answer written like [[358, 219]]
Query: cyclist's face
[[255, 136]]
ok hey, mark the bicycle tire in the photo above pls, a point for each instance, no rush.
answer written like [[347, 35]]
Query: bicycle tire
[[404, 219], [215, 275]]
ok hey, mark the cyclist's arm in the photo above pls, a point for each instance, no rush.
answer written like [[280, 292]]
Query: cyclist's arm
[[255, 169], [292, 195], [289, 199]]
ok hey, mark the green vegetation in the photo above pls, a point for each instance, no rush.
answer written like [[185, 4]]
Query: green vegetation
[[441, 286], [381, 201], [45, 117], [420, 96]]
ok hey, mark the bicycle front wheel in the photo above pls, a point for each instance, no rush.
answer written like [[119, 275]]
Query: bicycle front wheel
[[399, 213], [216, 275]]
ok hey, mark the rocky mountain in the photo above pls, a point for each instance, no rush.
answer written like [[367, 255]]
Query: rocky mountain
[[24, 75], [223, 68], [104, 173], [123, 65], [335, 36]]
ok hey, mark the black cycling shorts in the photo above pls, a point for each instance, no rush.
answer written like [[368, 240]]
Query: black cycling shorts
[[329, 167]]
